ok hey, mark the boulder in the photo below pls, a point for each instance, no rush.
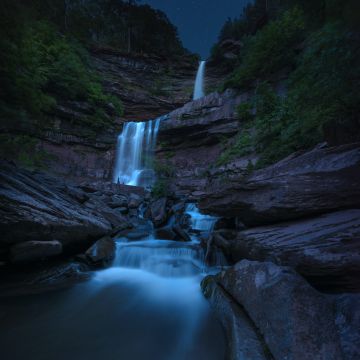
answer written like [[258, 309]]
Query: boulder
[[165, 233], [135, 201], [101, 253], [320, 181], [181, 233], [140, 228], [178, 207], [30, 251], [325, 249], [347, 321], [207, 119], [295, 320], [158, 213], [36, 206], [241, 333], [118, 201], [117, 221]]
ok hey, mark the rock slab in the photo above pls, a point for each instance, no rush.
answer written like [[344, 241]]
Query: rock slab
[[295, 321]]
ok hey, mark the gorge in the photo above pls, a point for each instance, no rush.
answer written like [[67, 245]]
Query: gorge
[[159, 206]]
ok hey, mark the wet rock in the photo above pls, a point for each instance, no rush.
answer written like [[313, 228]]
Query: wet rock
[[347, 321], [181, 233], [183, 220], [113, 216], [325, 249], [123, 210], [165, 233], [102, 253], [140, 228], [118, 201], [158, 213], [225, 223], [206, 120], [88, 189], [30, 251], [295, 320], [48, 278], [37, 207], [137, 234], [178, 208], [320, 181], [77, 194], [135, 201], [243, 339]]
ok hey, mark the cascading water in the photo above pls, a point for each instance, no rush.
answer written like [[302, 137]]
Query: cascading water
[[199, 81], [148, 305], [200, 221], [134, 153]]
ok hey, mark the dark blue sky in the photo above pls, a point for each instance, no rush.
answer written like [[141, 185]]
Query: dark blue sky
[[199, 21]]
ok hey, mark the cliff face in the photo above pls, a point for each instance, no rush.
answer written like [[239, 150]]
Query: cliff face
[[191, 141], [148, 85]]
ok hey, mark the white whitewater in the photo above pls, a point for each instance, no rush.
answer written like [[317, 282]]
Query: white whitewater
[[200, 221], [199, 81], [134, 153], [163, 277]]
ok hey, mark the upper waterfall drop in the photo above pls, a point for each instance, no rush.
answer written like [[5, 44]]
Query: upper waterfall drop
[[134, 153], [199, 81]]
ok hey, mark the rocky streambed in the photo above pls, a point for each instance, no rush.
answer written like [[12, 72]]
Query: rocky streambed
[[279, 263]]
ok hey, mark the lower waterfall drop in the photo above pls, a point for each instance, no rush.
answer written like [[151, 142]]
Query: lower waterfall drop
[[134, 154]]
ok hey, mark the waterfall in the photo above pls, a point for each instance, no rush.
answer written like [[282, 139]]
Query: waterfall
[[134, 155], [199, 81]]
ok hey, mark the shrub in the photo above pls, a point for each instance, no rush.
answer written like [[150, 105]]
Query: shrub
[[272, 48], [43, 67], [164, 169], [244, 111], [160, 189]]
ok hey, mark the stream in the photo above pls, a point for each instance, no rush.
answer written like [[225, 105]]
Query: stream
[[148, 305]]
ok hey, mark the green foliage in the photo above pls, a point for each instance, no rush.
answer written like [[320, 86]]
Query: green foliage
[[159, 87], [160, 189], [323, 92], [44, 67], [244, 111], [242, 145], [322, 88], [163, 169], [123, 25], [270, 49]]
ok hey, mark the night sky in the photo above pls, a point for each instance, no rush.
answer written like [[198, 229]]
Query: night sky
[[199, 21]]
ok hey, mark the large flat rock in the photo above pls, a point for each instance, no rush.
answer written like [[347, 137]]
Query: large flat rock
[[325, 249], [294, 320], [323, 180], [35, 206], [201, 122]]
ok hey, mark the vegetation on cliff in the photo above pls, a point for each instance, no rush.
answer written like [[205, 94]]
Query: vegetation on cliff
[[45, 63], [315, 47]]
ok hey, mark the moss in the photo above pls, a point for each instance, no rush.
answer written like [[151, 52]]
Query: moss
[[207, 286]]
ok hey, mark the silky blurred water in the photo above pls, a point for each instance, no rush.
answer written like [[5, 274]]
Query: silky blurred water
[[147, 306]]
